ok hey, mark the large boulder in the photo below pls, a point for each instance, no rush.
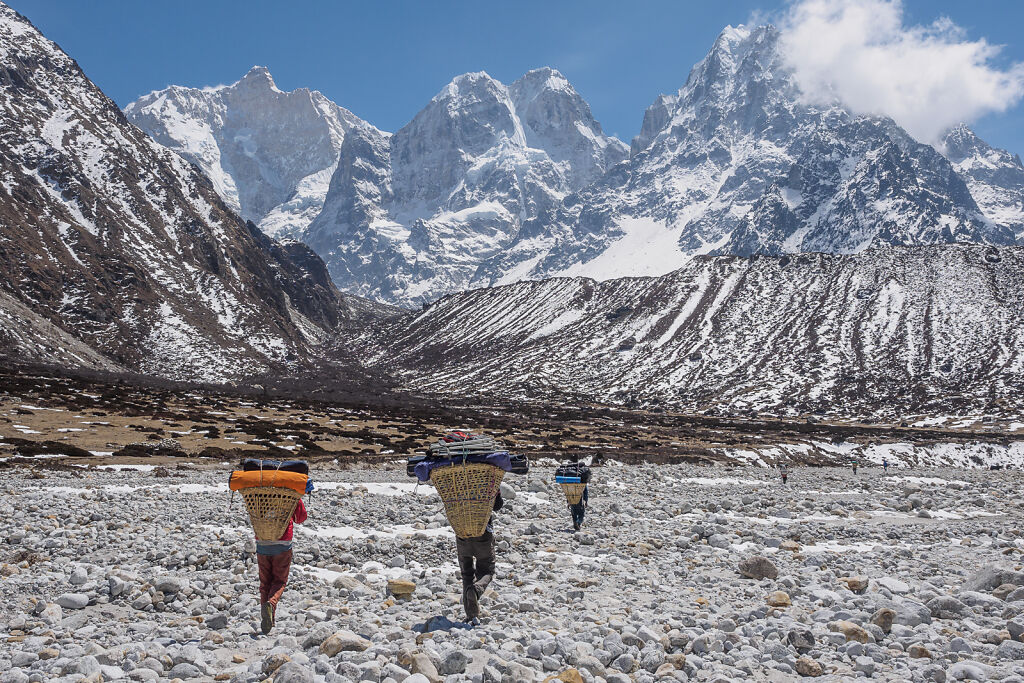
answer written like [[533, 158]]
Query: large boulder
[[990, 578]]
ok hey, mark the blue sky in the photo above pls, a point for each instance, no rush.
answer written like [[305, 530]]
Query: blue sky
[[385, 60]]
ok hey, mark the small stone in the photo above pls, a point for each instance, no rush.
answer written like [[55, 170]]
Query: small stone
[[805, 666], [567, 676], [454, 662], [893, 585], [1003, 590], [343, 641], [73, 600], [421, 664], [946, 607], [275, 662], [801, 640], [401, 588], [170, 584], [216, 621], [758, 567], [919, 652], [1010, 649], [856, 584], [290, 672], [184, 671], [1015, 627], [865, 665], [851, 630], [883, 619], [779, 599]]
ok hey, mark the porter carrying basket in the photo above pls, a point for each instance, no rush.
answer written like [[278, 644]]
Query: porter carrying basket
[[573, 493], [270, 509], [468, 491]]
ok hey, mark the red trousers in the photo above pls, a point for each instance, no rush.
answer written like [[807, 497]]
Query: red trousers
[[273, 575]]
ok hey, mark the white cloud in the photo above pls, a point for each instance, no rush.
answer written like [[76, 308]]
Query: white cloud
[[927, 78]]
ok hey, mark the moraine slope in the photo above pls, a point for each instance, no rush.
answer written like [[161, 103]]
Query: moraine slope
[[920, 330]]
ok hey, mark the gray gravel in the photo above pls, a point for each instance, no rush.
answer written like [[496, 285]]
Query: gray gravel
[[680, 573]]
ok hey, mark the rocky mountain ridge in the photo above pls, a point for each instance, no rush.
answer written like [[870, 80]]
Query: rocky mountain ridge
[[491, 184], [117, 253], [887, 332], [270, 154], [413, 215]]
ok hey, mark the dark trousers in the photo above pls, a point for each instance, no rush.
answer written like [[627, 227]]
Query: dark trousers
[[476, 564], [476, 558], [578, 511], [273, 575]]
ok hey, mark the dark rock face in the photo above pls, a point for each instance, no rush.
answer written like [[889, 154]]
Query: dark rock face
[[124, 248], [893, 332]]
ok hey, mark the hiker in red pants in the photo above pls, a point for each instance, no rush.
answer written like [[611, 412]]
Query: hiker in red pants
[[275, 559]]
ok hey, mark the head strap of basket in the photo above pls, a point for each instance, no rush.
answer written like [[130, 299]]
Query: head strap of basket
[[468, 490], [573, 492]]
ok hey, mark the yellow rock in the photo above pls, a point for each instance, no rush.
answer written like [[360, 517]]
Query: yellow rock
[[857, 584], [275, 662], [850, 630], [919, 652], [401, 588], [805, 666], [779, 599], [567, 676]]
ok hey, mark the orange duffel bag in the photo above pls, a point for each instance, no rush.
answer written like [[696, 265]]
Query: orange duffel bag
[[246, 480]]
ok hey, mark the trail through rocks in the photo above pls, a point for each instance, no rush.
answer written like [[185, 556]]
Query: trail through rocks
[[680, 573]]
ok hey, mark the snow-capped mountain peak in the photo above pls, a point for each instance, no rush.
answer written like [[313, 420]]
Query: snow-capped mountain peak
[[412, 216], [269, 153], [258, 78]]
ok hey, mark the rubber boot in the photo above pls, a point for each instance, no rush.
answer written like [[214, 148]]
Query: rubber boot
[[266, 617], [471, 602]]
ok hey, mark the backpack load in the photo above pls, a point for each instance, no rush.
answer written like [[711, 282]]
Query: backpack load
[[573, 478], [468, 491], [253, 464], [466, 469], [270, 494]]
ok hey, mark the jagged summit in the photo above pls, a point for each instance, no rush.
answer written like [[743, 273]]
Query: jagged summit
[[738, 162], [118, 254], [492, 183], [269, 153], [412, 216], [259, 76]]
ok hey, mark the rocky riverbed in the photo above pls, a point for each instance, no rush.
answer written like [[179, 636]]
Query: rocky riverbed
[[680, 573]]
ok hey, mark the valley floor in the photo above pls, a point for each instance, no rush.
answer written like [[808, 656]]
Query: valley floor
[[899, 575]]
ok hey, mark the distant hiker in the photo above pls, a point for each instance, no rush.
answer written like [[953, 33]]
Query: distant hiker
[[885, 464], [275, 560], [855, 467], [571, 476], [476, 564], [784, 471]]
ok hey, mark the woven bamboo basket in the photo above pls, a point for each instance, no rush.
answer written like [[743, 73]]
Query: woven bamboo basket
[[270, 510], [573, 493], [468, 491]]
